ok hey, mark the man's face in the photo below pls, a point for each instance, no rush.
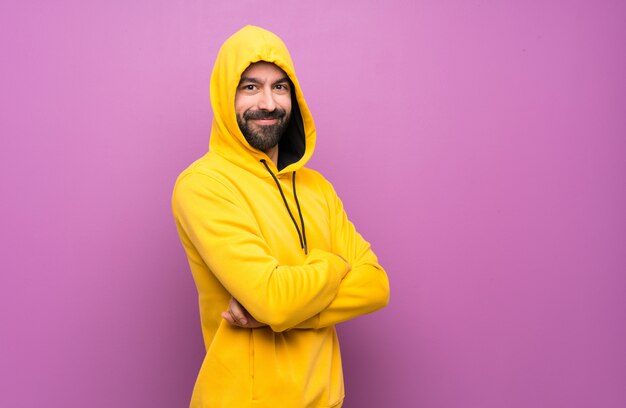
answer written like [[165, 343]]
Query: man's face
[[263, 104]]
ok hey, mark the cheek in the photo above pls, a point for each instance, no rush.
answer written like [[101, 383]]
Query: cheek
[[242, 103], [286, 104]]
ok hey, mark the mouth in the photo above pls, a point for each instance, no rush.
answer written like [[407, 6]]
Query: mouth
[[263, 117], [265, 122]]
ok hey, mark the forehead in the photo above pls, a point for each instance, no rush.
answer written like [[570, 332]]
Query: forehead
[[263, 70]]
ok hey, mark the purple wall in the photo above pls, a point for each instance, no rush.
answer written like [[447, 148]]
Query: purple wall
[[480, 146]]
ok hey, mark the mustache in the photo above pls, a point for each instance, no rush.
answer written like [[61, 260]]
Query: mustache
[[277, 113]]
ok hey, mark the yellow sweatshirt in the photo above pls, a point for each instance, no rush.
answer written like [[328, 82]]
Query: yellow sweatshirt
[[242, 242]]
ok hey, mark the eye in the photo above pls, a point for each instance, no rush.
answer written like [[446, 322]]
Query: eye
[[282, 87], [249, 87]]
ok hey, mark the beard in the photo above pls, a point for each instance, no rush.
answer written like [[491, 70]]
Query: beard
[[263, 137]]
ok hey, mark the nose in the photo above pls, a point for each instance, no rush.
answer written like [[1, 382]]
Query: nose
[[266, 101]]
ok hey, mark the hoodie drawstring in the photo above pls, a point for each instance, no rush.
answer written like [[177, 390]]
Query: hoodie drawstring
[[301, 235]]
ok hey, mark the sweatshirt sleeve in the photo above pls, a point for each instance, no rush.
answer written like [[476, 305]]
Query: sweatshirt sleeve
[[365, 288], [228, 240]]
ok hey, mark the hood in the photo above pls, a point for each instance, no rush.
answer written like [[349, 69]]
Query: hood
[[249, 45]]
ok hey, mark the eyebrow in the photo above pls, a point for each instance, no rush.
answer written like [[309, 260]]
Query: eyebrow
[[252, 80]]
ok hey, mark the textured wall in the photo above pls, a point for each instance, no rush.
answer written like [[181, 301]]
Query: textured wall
[[480, 146]]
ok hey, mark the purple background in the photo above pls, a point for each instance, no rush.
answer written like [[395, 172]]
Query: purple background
[[480, 146]]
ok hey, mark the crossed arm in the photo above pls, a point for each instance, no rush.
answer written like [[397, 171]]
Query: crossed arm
[[363, 289], [237, 315], [330, 287]]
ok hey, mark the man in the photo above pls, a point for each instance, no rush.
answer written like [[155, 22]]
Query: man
[[276, 262]]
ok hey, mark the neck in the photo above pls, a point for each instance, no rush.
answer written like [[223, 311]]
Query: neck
[[272, 153]]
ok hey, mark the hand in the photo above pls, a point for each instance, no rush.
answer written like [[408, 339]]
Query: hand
[[238, 316]]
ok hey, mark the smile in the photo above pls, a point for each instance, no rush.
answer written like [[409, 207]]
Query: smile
[[264, 121]]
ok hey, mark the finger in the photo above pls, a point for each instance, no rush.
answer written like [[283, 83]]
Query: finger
[[237, 318], [238, 312], [226, 316], [233, 319]]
